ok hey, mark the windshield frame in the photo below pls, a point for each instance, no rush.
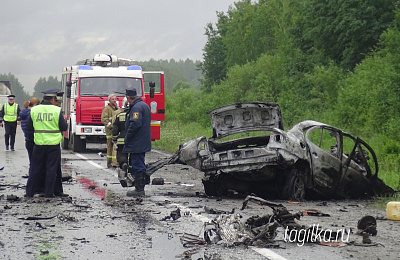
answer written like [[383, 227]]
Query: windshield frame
[[104, 86]]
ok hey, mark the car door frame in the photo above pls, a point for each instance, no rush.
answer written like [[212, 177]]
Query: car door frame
[[321, 159]]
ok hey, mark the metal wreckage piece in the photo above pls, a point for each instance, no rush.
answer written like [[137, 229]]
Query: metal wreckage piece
[[230, 230]]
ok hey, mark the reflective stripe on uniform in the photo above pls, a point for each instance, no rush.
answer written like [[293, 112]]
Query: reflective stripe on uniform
[[120, 141], [47, 131]]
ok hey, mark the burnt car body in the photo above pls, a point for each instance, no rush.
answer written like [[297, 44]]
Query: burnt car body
[[311, 159]]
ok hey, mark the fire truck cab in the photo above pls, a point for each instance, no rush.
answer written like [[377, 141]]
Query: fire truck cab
[[87, 86]]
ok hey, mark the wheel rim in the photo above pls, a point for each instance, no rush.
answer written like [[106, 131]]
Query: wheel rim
[[298, 188]]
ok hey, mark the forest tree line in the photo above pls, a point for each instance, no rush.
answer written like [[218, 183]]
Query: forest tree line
[[332, 61]]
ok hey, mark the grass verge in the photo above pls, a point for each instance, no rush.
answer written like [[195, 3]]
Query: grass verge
[[174, 133]]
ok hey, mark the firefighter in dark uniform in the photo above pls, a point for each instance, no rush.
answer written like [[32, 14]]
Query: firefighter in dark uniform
[[46, 125], [137, 139], [9, 113], [118, 135]]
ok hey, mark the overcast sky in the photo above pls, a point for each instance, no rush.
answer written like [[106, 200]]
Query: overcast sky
[[39, 38]]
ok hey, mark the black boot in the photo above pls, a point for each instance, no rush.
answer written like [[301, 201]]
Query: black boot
[[143, 180], [139, 186]]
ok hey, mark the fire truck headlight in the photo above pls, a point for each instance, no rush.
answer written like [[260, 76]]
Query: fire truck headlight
[[87, 130]]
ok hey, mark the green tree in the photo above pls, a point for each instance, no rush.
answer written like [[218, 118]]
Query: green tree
[[180, 86], [369, 99], [250, 31], [44, 84], [175, 71], [16, 88], [343, 30], [214, 65]]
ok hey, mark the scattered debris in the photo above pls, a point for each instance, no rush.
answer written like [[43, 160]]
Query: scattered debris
[[188, 254], [367, 224], [174, 215], [157, 181], [215, 211], [65, 218], [83, 240], [313, 212], [44, 252], [366, 227], [66, 178], [81, 206], [228, 229], [38, 225], [189, 239], [335, 244], [13, 197], [36, 218]]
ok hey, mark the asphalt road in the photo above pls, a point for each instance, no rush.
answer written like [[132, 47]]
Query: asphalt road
[[98, 220]]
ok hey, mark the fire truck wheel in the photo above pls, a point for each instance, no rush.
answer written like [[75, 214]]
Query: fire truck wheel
[[78, 145]]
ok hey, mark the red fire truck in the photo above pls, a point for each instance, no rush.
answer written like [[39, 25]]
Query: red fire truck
[[86, 87]]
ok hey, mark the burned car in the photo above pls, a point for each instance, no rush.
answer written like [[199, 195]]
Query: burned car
[[310, 160]]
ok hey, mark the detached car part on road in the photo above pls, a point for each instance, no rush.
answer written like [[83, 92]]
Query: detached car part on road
[[312, 159]]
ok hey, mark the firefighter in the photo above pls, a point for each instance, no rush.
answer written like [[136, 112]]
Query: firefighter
[[118, 135], [106, 117], [46, 124], [137, 139], [9, 113]]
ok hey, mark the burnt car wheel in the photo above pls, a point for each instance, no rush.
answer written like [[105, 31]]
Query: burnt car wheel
[[294, 188], [211, 187]]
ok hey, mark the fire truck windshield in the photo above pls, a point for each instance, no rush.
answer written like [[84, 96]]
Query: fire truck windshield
[[103, 86]]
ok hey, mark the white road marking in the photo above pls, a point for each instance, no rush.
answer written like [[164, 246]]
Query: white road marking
[[89, 161], [268, 253], [93, 163]]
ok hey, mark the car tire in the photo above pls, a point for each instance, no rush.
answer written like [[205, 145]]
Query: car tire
[[295, 186]]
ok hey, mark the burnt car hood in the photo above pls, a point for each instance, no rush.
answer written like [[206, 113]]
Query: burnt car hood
[[245, 117]]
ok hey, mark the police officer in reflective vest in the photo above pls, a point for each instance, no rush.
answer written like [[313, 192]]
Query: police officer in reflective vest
[[9, 113], [46, 124]]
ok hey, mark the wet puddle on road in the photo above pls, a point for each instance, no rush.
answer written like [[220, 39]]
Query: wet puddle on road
[[169, 246]]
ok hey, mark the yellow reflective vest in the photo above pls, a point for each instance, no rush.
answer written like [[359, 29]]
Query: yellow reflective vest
[[10, 112], [45, 123]]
